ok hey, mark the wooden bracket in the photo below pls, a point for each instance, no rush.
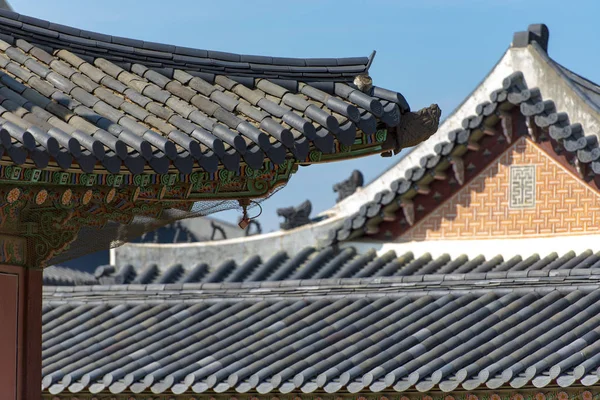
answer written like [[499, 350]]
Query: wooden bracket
[[408, 208], [506, 120], [439, 175], [473, 146], [422, 189], [580, 167], [458, 166], [532, 129]]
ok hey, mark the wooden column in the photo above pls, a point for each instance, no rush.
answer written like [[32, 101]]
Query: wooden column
[[20, 333]]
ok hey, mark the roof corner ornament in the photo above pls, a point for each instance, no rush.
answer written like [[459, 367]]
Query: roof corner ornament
[[346, 188], [414, 128], [295, 216], [538, 33], [363, 82]]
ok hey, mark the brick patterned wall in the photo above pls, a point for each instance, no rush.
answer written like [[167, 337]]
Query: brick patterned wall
[[563, 203]]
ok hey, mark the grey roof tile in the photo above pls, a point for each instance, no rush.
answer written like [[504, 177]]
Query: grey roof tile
[[347, 263], [429, 340], [121, 65]]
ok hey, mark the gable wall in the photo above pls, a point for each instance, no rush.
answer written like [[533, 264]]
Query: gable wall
[[564, 205]]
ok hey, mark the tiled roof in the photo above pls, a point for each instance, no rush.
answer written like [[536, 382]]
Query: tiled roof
[[71, 95], [328, 263], [63, 276], [589, 88], [542, 113], [448, 332]]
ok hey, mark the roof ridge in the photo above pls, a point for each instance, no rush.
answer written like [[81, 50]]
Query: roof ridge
[[538, 280], [85, 40]]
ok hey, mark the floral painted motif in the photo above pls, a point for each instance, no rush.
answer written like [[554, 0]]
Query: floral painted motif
[[587, 395], [540, 396], [66, 197], [562, 396], [111, 195], [87, 197], [41, 197], [13, 195]]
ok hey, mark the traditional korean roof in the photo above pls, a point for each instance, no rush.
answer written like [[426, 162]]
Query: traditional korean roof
[[433, 332], [328, 263], [104, 133], [71, 97], [526, 83], [341, 320], [463, 149]]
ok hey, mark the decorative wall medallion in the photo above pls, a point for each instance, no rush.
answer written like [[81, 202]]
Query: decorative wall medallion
[[522, 186], [41, 197]]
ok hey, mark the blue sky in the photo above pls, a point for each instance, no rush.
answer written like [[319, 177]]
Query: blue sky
[[432, 51]]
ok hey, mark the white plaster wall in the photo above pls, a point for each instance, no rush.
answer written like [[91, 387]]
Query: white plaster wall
[[214, 253]]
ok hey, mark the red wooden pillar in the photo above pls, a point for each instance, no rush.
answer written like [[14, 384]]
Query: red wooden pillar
[[20, 333]]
